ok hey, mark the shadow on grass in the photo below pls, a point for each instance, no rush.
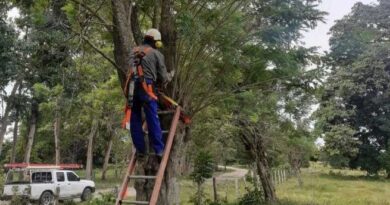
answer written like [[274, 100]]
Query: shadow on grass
[[290, 202], [344, 177]]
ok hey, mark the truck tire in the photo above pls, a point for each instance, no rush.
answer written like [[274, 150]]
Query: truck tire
[[87, 194], [47, 198]]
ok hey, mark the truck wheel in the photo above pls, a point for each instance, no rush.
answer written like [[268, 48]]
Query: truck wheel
[[87, 194], [46, 198]]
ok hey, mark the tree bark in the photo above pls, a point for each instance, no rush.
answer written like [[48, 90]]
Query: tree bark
[[168, 34], [31, 134], [15, 137], [57, 128], [265, 177], [91, 136], [107, 157], [170, 190], [199, 194], [300, 181], [122, 38], [4, 122], [135, 27], [156, 14], [123, 41], [254, 142]]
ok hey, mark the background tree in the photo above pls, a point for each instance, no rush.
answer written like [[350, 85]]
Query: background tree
[[203, 170], [354, 104]]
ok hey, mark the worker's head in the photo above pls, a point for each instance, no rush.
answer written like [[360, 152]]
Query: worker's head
[[153, 38]]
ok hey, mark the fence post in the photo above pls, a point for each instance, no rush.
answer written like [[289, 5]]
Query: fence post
[[215, 189], [236, 185], [274, 177], [280, 176]]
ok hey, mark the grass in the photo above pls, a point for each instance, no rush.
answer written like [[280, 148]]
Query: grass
[[113, 177], [325, 186], [226, 190], [322, 186]]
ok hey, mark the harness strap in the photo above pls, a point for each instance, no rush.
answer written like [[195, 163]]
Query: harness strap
[[139, 54], [142, 52], [147, 88]]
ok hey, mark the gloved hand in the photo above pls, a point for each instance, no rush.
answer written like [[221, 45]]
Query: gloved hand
[[170, 76]]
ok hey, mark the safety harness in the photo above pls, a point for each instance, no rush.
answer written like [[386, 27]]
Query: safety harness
[[136, 73]]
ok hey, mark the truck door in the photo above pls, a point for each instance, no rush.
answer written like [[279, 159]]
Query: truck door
[[63, 185], [74, 181]]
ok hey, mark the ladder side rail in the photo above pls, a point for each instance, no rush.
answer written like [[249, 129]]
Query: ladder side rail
[[129, 172], [164, 161]]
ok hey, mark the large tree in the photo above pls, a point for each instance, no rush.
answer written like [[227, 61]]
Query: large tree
[[204, 42], [354, 104]]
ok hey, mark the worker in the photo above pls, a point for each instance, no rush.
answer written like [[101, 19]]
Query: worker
[[150, 73]]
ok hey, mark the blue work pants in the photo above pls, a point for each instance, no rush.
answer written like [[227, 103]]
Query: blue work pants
[[143, 101]]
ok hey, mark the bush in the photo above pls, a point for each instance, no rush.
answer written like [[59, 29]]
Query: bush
[[104, 200], [252, 197]]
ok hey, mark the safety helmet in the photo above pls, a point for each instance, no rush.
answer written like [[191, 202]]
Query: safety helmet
[[153, 33]]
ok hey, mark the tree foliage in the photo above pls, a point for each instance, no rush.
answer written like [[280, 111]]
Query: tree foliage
[[354, 103]]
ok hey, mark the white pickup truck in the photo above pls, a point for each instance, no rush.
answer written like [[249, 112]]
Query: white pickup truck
[[42, 185]]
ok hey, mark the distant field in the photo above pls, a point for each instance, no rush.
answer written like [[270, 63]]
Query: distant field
[[323, 186]]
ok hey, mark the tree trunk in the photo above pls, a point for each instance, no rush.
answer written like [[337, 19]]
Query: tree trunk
[[31, 134], [168, 34], [91, 136], [107, 157], [253, 140], [199, 194], [15, 137], [123, 41], [4, 122], [297, 172], [265, 177], [57, 128], [259, 154], [170, 192], [122, 38], [156, 14]]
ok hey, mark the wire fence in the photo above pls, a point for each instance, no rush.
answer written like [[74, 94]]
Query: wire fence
[[233, 188]]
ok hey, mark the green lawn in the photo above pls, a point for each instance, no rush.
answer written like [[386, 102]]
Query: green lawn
[[323, 186]]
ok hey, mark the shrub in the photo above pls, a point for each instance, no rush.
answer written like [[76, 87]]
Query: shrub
[[252, 197]]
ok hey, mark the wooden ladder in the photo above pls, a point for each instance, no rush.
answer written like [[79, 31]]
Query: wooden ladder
[[160, 174]]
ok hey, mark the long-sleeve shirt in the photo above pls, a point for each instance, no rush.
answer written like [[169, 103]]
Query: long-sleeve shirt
[[153, 64]]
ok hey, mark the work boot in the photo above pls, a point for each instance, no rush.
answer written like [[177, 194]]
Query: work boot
[[159, 157], [140, 156]]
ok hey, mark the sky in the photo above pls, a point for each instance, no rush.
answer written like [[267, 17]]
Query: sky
[[337, 9]]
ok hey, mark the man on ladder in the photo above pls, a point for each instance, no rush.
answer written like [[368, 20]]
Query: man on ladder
[[147, 71]]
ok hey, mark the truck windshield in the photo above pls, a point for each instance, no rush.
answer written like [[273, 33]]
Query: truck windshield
[[18, 177]]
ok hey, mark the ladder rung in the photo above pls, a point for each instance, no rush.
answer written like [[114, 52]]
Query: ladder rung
[[134, 202], [163, 132], [165, 112], [141, 177]]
